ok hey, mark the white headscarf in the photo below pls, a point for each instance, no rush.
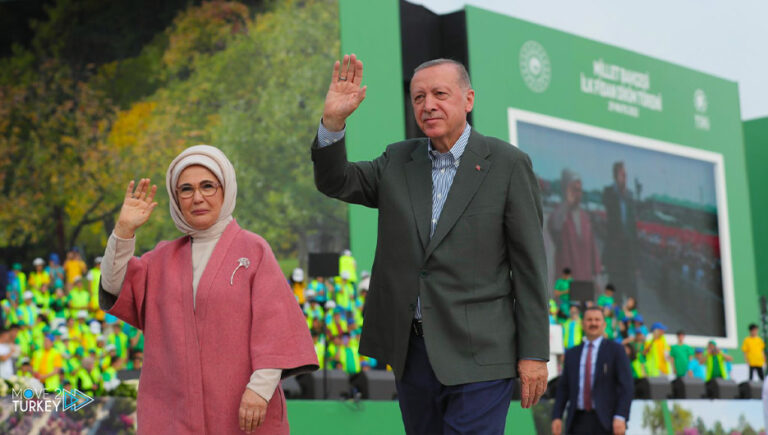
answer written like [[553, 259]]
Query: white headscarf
[[215, 161]]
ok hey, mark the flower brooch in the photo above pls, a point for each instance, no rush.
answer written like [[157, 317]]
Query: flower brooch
[[244, 263]]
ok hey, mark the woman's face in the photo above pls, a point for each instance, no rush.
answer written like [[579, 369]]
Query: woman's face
[[199, 211]]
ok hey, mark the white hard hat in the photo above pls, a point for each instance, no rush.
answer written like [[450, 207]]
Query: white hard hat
[[38, 262], [298, 274]]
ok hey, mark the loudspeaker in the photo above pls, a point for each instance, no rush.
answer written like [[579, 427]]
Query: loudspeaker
[[375, 384], [582, 291], [291, 388], [312, 385], [689, 388], [722, 389], [125, 375], [641, 388], [655, 388], [323, 264], [751, 390]]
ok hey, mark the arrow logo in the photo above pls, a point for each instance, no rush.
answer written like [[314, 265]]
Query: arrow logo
[[76, 400]]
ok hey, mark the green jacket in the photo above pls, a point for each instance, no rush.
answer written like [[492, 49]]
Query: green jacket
[[482, 275]]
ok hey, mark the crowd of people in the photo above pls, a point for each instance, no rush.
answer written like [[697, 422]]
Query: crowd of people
[[55, 334], [54, 331], [649, 352]]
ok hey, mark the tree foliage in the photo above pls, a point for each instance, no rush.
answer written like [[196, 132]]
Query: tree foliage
[[75, 127]]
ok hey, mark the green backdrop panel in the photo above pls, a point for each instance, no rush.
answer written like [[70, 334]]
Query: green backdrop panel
[[756, 151]]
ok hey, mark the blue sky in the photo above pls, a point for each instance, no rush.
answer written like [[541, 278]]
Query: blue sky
[[727, 39]]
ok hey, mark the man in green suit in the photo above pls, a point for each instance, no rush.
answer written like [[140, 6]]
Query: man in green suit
[[457, 299]]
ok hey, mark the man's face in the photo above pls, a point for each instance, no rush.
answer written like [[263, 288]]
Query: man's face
[[621, 177], [680, 338], [574, 313], [440, 105], [594, 324]]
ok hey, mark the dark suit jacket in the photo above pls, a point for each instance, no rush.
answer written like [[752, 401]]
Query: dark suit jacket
[[620, 236], [613, 386], [482, 275]]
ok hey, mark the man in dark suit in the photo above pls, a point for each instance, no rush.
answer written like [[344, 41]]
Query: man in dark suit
[[596, 383], [457, 299], [620, 251]]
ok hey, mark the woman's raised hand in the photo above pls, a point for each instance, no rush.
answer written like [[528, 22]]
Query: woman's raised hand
[[137, 207]]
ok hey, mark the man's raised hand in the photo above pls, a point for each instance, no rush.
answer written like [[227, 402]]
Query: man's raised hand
[[345, 92]]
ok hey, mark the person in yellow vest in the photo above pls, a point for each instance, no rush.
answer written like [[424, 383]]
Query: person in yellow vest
[[716, 362], [79, 298], [348, 264], [47, 365], [110, 364], [93, 278], [10, 312], [24, 340], [75, 329], [28, 311], [25, 368], [338, 325], [136, 360], [638, 368], [298, 285], [335, 346], [39, 279], [754, 352], [18, 283], [58, 304], [74, 267], [657, 352], [345, 291], [319, 341], [348, 356], [572, 330], [83, 377], [40, 329], [118, 339]]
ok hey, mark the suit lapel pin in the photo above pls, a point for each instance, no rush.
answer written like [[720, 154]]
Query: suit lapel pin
[[244, 263], [478, 167]]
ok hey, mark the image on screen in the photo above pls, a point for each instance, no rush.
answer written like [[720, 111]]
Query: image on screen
[[641, 219]]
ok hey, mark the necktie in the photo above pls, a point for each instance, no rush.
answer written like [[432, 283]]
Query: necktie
[[588, 380]]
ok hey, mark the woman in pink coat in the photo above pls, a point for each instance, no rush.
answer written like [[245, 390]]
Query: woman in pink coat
[[221, 326]]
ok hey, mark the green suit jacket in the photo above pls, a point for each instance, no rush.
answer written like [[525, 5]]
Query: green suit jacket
[[481, 276]]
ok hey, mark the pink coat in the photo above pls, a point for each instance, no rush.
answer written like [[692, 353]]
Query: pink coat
[[197, 362]]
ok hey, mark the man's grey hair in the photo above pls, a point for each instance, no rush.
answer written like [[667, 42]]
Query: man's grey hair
[[463, 74]]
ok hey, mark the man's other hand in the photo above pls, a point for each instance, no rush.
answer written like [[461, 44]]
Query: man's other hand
[[533, 381]]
